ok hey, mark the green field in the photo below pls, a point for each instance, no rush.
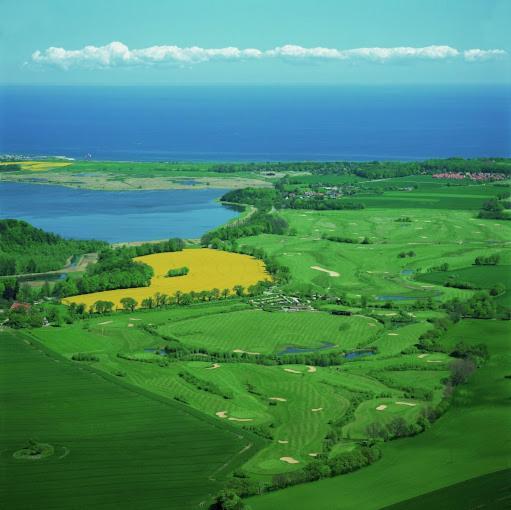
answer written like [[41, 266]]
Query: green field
[[161, 408], [376, 269], [112, 443], [468, 441], [296, 403], [268, 333], [487, 491]]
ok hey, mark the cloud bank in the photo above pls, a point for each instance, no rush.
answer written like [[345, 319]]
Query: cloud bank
[[117, 54]]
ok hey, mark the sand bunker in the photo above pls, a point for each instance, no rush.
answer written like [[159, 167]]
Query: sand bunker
[[240, 419], [291, 371], [422, 356], [372, 324], [406, 404], [289, 460], [240, 351], [213, 366], [393, 334], [317, 409], [282, 441], [130, 325], [314, 454], [311, 369], [381, 407], [221, 414], [278, 399], [106, 322], [434, 361], [331, 273], [131, 319]]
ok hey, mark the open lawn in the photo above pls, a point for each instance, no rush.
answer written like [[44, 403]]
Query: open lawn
[[114, 446], [209, 269], [470, 440], [377, 270], [487, 491], [295, 404], [271, 332]]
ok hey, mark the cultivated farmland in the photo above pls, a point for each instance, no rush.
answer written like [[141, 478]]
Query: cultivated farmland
[[111, 442], [209, 269]]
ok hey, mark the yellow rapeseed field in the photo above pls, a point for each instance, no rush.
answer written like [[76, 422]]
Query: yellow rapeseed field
[[209, 269], [37, 166]]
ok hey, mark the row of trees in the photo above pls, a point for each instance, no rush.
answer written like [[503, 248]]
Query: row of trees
[[372, 169], [161, 300], [240, 485]]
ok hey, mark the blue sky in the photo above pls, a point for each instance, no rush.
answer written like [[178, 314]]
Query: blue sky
[[249, 41]]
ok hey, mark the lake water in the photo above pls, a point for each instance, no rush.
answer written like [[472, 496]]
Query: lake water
[[256, 122], [115, 216]]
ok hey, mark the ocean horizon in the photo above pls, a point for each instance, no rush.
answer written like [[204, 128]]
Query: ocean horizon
[[256, 123]]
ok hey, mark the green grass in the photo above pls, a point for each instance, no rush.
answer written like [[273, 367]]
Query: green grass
[[376, 269], [271, 332], [487, 491], [470, 440], [251, 387], [114, 445], [483, 277]]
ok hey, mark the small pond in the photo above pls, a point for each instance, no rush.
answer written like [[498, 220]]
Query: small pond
[[161, 352], [358, 354]]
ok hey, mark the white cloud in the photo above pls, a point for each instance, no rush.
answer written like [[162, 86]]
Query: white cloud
[[477, 54], [117, 54]]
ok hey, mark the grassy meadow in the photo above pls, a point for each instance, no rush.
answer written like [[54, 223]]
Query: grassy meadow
[[209, 269], [160, 407], [295, 402], [111, 442], [376, 269], [269, 333], [467, 442]]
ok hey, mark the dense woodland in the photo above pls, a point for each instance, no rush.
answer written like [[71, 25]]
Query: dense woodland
[[26, 249], [260, 222], [374, 169]]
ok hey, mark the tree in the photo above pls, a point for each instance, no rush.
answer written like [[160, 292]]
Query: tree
[[129, 304], [228, 500], [377, 431], [239, 290], [398, 427], [148, 302], [461, 369], [225, 293]]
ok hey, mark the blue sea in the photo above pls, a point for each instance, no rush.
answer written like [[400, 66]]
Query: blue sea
[[261, 123], [115, 216]]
